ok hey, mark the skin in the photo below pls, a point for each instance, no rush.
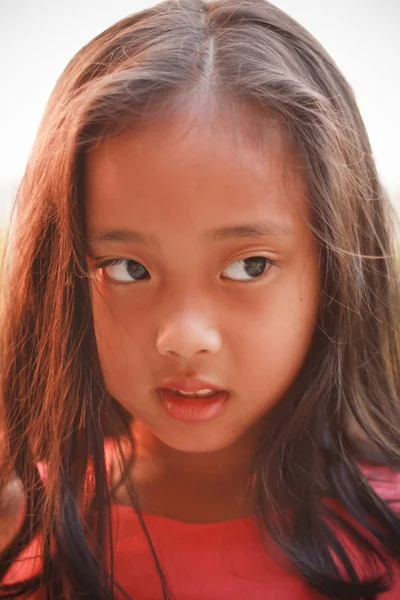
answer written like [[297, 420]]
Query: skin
[[174, 181]]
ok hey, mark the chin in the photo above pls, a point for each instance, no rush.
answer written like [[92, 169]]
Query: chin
[[195, 438]]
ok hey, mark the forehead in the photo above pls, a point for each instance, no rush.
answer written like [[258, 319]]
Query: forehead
[[189, 169]]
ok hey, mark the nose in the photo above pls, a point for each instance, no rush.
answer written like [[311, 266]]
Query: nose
[[188, 335]]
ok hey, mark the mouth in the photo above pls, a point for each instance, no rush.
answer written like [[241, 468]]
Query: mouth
[[193, 407], [204, 393]]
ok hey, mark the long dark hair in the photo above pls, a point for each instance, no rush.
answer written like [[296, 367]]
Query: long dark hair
[[343, 406]]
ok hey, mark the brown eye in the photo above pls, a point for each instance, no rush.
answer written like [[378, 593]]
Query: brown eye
[[248, 268], [124, 270]]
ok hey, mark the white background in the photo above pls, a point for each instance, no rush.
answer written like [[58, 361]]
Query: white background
[[38, 38]]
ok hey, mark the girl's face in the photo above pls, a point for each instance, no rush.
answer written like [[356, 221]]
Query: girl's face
[[181, 204]]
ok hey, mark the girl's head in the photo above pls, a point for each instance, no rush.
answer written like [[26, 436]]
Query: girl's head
[[177, 145]]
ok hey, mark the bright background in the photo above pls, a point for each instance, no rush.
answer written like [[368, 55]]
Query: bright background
[[38, 38]]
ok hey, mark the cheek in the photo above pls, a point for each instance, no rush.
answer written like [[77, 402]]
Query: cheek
[[118, 341], [274, 337]]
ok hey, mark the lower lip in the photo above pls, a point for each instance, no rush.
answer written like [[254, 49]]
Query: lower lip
[[193, 410]]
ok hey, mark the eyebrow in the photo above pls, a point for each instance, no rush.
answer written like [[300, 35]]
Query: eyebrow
[[251, 230]]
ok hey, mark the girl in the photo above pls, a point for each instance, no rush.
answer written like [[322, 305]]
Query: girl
[[200, 348]]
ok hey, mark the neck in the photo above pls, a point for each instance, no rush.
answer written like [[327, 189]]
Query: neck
[[192, 486]]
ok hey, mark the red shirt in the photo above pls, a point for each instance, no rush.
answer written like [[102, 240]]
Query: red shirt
[[207, 561]]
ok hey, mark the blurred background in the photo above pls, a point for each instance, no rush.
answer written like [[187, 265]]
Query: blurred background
[[38, 38]]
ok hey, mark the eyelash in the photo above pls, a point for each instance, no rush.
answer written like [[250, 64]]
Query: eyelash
[[117, 261]]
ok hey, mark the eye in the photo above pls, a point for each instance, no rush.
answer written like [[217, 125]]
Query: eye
[[123, 270], [248, 268]]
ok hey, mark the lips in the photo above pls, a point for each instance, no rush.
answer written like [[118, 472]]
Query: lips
[[193, 409]]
